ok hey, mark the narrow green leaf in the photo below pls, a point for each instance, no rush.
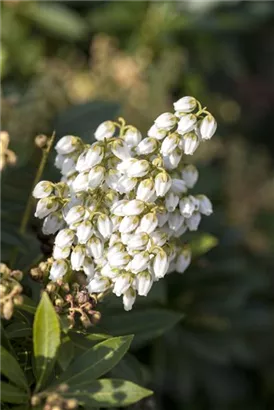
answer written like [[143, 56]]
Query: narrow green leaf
[[5, 341], [145, 324], [46, 339], [86, 341], [11, 394], [65, 353], [96, 361], [109, 393], [18, 329], [10, 368], [130, 369]]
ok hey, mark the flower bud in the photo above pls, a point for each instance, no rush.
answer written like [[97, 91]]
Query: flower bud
[[61, 253], [191, 143], [139, 262], [43, 189], [129, 299], [58, 269], [138, 241], [158, 238], [166, 121], [207, 127], [132, 137], [190, 175], [64, 238], [77, 257], [144, 283], [45, 206], [162, 183], [175, 220], [185, 104], [89, 158], [96, 176], [67, 144], [84, 231], [81, 182], [126, 184], [105, 130], [173, 159]]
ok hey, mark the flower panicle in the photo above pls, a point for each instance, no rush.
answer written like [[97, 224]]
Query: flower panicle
[[123, 201]]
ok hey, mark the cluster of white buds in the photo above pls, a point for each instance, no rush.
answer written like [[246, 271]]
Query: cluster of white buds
[[123, 202]]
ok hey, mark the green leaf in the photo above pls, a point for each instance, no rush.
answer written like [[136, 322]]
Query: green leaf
[[87, 341], [65, 353], [109, 393], [11, 370], [96, 361], [18, 329], [46, 339], [58, 19], [130, 369], [202, 244], [146, 324], [11, 394]]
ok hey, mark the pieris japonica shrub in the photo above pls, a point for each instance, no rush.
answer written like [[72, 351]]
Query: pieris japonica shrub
[[124, 201]]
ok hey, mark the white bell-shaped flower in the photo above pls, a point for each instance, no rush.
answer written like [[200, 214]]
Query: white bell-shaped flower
[[166, 121], [174, 158], [105, 130], [183, 260], [117, 247], [162, 218], [187, 123], [148, 223], [81, 182], [120, 149], [67, 144], [98, 284], [118, 259], [129, 299], [46, 206], [77, 257], [61, 253], [104, 226], [58, 269], [64, 238], [129, 224], [158, 238], [59, 160], [205, 205], [162, 183], [185, 104], [146, 146], [175, 220], [122, 284], [190, 175], [68, 167], [145, 190], [144, 283], [126, 184], [169, 144], [88, 268], [207, 127], [52, 223], [95, 247], [75, 214], [187, 206], [109, 271], [156, 132], [133, 207], [138, 168], [84, 231], [117, 209], [138, 241], [132, 137], [160, 264], [139, 262], [96, 176], [171, 201], [194, 221], [191, 143], [43, 189], [112, 177], [93, 156]]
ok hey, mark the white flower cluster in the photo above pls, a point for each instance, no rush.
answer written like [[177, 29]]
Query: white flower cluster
[[123, 201]]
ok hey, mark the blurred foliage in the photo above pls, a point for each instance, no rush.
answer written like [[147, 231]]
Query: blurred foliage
[[84, 60]]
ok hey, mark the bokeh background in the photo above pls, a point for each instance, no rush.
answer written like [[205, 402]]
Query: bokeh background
[[69, 65]]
